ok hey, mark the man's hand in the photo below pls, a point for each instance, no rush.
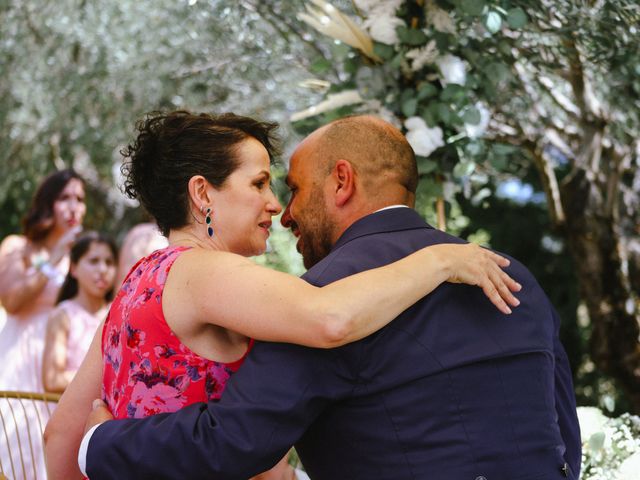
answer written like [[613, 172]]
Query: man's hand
[[99, 414]]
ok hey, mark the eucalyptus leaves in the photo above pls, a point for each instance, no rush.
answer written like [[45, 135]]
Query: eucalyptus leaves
[[416, 65]]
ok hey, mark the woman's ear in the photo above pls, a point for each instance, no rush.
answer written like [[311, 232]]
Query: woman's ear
[[344, 179], [200, 192]]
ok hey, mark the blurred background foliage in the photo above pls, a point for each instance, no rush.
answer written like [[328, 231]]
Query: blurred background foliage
[[537, 105]]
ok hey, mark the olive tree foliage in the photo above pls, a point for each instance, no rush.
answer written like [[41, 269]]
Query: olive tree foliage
[[487, 89], [77, 75]]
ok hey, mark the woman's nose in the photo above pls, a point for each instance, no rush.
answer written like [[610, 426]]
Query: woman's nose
[[274, 205]]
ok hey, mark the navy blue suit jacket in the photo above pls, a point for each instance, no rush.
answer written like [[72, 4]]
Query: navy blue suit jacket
[[450, 390]]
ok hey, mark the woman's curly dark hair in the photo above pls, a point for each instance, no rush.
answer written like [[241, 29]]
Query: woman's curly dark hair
[[173, 147]]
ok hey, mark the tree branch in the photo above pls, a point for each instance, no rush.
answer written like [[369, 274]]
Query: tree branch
[[36, 33], [558, 98], [586, 102], [269, 17]]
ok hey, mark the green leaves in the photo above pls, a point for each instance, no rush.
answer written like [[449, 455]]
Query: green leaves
[[517, 18], [412, 36], [409, 107], [320, 66], [497, 72], [493, 21], [472, 116], [464, 168], [472, 7], [426, 165], [386, 52], [427, 90]]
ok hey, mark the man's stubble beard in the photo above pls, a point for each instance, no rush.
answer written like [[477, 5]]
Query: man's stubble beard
[[316, 233]]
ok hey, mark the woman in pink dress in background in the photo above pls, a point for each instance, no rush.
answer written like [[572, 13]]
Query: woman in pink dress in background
[[82, 306], [184, 318], [32, 268]]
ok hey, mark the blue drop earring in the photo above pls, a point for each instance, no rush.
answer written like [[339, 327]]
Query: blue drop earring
[[207, 221]]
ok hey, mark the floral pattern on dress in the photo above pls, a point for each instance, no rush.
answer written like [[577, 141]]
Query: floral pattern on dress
[[147, 369]]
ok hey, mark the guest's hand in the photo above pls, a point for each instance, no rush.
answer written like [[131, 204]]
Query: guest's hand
[[474, 265], [63, 245], [99, 414]]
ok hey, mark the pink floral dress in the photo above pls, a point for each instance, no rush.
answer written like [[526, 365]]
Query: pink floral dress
[[147, 369]]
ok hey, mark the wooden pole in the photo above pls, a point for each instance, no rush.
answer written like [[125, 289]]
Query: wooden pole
[[442, 218]]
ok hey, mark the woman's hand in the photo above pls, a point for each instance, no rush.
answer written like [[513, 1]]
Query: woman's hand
[[63, 245], [474, 265]]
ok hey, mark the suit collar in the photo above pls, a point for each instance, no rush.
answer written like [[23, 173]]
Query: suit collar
[[390, 220]]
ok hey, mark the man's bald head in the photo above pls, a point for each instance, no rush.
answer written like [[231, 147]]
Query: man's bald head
[[378, 151], [342, 172]]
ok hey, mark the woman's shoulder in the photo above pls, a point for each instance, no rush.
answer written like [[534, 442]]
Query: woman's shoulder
[[68, 306], [14, 244], [205, 258], [59, 316]]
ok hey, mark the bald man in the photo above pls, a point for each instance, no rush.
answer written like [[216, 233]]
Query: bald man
[[451, 390]]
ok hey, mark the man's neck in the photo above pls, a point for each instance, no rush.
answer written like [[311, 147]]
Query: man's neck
[[349, 219]]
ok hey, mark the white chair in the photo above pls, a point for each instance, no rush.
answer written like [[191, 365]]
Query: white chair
[[23, 416]]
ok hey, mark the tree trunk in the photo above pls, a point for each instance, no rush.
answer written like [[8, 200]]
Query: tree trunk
[[599, 253]]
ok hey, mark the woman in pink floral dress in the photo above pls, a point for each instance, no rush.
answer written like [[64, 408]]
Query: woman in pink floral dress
[[149, 370], [184, 318]]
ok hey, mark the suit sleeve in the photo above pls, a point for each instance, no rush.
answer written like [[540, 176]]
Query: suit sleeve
[[266, 407], [566, 403]]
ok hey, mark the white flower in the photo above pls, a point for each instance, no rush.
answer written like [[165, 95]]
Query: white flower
[[423, 56], [477, 130], [440, 19], [333, 101], [382, 27], [591, 420], [630, 468], [381, 20], [423, 140], [370, 7], [453, 69]]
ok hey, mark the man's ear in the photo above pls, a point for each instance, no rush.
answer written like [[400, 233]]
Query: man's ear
[[200, 192], [344, 177]]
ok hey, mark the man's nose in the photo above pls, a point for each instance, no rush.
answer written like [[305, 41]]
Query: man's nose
[[286, 219]]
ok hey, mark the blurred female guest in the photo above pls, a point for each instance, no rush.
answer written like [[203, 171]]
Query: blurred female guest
[[32, 268], [140, 241], [82, 305], [184, 318]]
